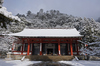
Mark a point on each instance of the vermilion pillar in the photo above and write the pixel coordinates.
(59, 48)
(71, 47)
(28, 49)
(40, 48)
(12, 46)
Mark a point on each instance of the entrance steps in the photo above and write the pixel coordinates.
(49, 58)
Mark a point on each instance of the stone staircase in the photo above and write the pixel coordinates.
(49, 58)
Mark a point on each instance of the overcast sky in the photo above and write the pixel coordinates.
(80, 8)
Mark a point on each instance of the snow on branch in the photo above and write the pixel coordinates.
(94, 43)
(4, 11)
(81, 42)
(92, 48)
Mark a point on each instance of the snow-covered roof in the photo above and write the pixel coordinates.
(47, 33)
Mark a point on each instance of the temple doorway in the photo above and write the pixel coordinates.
(50, 51)
(49, 48)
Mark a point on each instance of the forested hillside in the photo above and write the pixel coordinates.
(53, 19)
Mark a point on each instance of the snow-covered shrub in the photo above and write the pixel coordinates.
(6, 42)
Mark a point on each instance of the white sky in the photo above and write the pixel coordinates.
(80, 8)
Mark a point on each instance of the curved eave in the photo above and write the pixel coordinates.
(50, 36)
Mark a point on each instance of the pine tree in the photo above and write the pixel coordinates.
(6, 17)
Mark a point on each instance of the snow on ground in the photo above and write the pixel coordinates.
(17, 62)
(82, 63)
(26, 63)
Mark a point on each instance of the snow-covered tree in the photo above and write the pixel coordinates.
(92, 48)
(8, 24)
(6, 42)
(6, 18)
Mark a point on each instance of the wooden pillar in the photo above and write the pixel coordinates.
(59, 53)
(77, 47)
(22, 46)
(32, 49)
(32, 46)
(67, 49)
(40, 48)
(71, 47)
(28, 48)
(12, 46)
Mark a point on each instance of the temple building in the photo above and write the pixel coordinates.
(47, 42)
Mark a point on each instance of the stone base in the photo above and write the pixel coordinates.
(95, 58)
(43, 58)
(49, 58)
(14, 57)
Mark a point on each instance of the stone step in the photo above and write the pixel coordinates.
(49, 58)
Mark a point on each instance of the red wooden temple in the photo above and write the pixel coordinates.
(47, 42)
